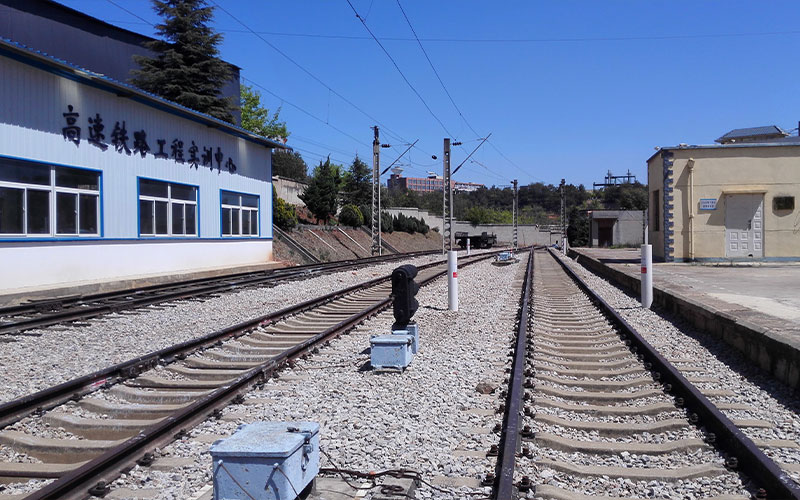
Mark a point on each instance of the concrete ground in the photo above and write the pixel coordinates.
(770, 289)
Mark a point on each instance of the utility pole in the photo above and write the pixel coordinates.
(376, 194)
(563, 218)
(447, 201)
(515, 213)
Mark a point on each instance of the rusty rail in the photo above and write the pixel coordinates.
(504, 488)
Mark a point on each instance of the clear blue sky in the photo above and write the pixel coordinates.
(567, 88)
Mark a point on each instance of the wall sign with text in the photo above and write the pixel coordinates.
(191, 154)
(708, 203)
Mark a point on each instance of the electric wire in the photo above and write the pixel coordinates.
(433, 67)
(299, 108)
(311, 115)
(364, 23)
(501, 40)
(306, 71)
(131, 13)
(444, 87)
(360, 141)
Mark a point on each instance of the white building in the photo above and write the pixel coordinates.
(102, 182)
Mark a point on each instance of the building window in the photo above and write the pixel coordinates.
(239, 214)
(167, 209)
(655, 209)
(783, 202)
(45, 200)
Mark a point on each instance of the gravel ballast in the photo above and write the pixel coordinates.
(430, 418)
(64, 352)
(769, 399)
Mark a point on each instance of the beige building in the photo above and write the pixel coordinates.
(730, 201)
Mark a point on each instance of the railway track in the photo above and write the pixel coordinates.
(15, 320)
(73, 439)
(594, 411)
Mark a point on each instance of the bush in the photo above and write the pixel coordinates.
(387, 225)
(409, 225)
(283, 214)
(366, 212)
(351, 216)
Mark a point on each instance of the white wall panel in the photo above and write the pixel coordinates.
(31, 122)
(43, 265)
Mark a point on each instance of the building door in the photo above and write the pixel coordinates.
(605, 234)
(744, 225)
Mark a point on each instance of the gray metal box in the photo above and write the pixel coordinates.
(390, 351)
(411, 329)
(266, 461)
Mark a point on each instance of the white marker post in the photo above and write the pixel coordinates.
(468, 247)
(647, 276)
(452, 280)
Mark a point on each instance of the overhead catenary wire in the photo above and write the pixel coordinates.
(413, 89)
(308, 113)
(331, 90)
(444, 87)
(261, 87)
(501, 40)
(309, 73)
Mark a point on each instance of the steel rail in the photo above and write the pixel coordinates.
(504, 488)
(16, 409)
(75, 483)
(742, 452)
(96, 305)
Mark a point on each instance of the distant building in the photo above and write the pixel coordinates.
(428, 184)
(616, 228)
(84, 41)
(726, 201)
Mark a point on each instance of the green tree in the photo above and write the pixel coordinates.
(322, 194)
(632, 196)
(289, 164)
(358, 184)
(186, 68)
(578, 228)
(257, 118)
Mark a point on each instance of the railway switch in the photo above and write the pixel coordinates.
(266, 461)
(404, 288)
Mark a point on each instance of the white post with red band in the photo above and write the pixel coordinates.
(452, 280)
(647, 276)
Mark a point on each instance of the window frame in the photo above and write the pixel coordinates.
(53, 190)
(240, 208)
(783, 203)
(170, 202)
(656, 210)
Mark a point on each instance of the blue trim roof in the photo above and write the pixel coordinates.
(42, 60)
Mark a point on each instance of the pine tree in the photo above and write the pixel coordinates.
(358, 184)
(322, 194)
(289, 164)
(186, 68)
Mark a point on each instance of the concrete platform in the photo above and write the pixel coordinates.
(753, 306)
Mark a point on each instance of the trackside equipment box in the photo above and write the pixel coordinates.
(410, 329)
(266, 461)
(390, 351)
